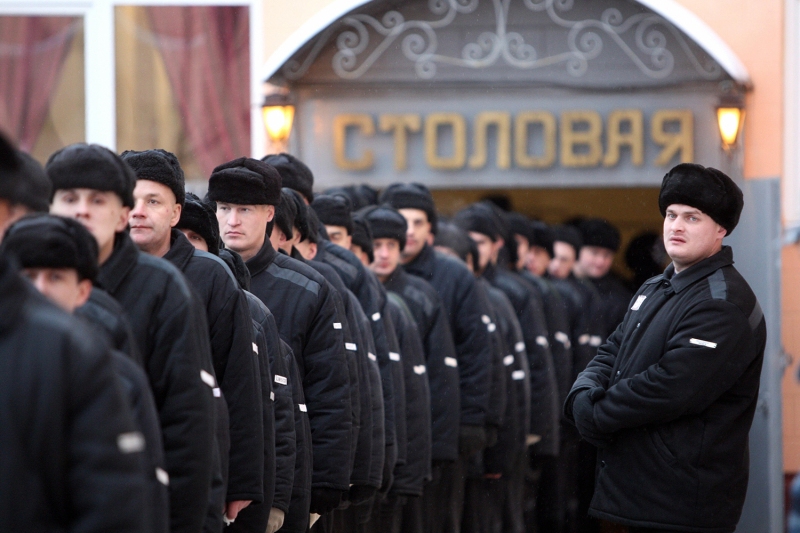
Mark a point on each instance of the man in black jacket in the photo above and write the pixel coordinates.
(246, 192)
(456, 287)
(93, 185)
(61, 403)
(159, 198)
(670, 397)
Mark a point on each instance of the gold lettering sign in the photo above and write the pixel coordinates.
(485, 119)
(521, 156)
(459, 126)
(401, 125)
(682, 141)
(616, 139)
(341, 123)
(570, 138)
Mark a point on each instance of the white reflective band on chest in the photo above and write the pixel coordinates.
(376, 317)
(491, 327)
(596, 340)
(272, 396)
(217, 392)
(337, 325)
(302, 407)
(638, 303)
(350, 346)
(486, 319)
(419, 369)
(703, 343)
(520, 346)
(517, 375)
(281, 380)
(208, 379)
(372, 356)
(508, 360)
(451, 361)
(255, 348)
(541, 340)
(584, 339)
(394, 356)
(131, 442)
(562, 337)
(162, 476)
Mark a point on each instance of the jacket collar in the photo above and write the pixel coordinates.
(696, 272)
(396, 280)
(490, 272)
(180, 251)
(123, 259)
(262, 260)
(422, 265)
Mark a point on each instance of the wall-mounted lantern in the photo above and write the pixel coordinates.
(278, 112)
(730, 119)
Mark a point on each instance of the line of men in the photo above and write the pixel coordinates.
(268, 359)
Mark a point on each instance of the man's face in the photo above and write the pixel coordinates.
(101, 212)
(690, 235)
(523, 247)
(279, 240)
(243, 228)
(537, 260)
(61, 285)
(595, 261)
(485, 249)
(361, 254)
(387, 257)
(418, 233)
(307, 249)
(563, 260)
(196, 239)
(155, 212)
(338, 235)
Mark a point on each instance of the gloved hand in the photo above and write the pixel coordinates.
(583, 413)
(324, 500)
(275, 520)
(471, 439)
(361, 494)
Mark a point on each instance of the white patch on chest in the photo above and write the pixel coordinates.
(638, 303)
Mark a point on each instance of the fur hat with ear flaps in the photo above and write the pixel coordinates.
(91, 166)
(201, 219)
(160, 166)
(245, 181)
(704, 188)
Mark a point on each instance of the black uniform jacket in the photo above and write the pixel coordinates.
(544, 388)
(410, 477)
(681, 376)
(497, 394)
(306, 315)
(235, 364)
(614, 298)
(71, 457)
(172, 336)
(456, 287)
(440, 358)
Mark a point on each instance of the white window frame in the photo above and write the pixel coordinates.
(790, 186)
(99, 57)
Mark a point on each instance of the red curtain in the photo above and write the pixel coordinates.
(206, 51)
(32, 53)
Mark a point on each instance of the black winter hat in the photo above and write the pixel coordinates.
(237, 266)
(360, 196)
(362, 235)
(201, 219)
(46, 241)
(160, 166)
(411, 196)
(598, 232)
(91, 166)
(34, 189)
(314, 224)
(286, 213)
(334, 211)
(387, 223)
(245, 181)
(301, 218)
(457, 239)
(705, 188)
(295, 174)
(569, 235)
(541, 235)
(479, 218)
